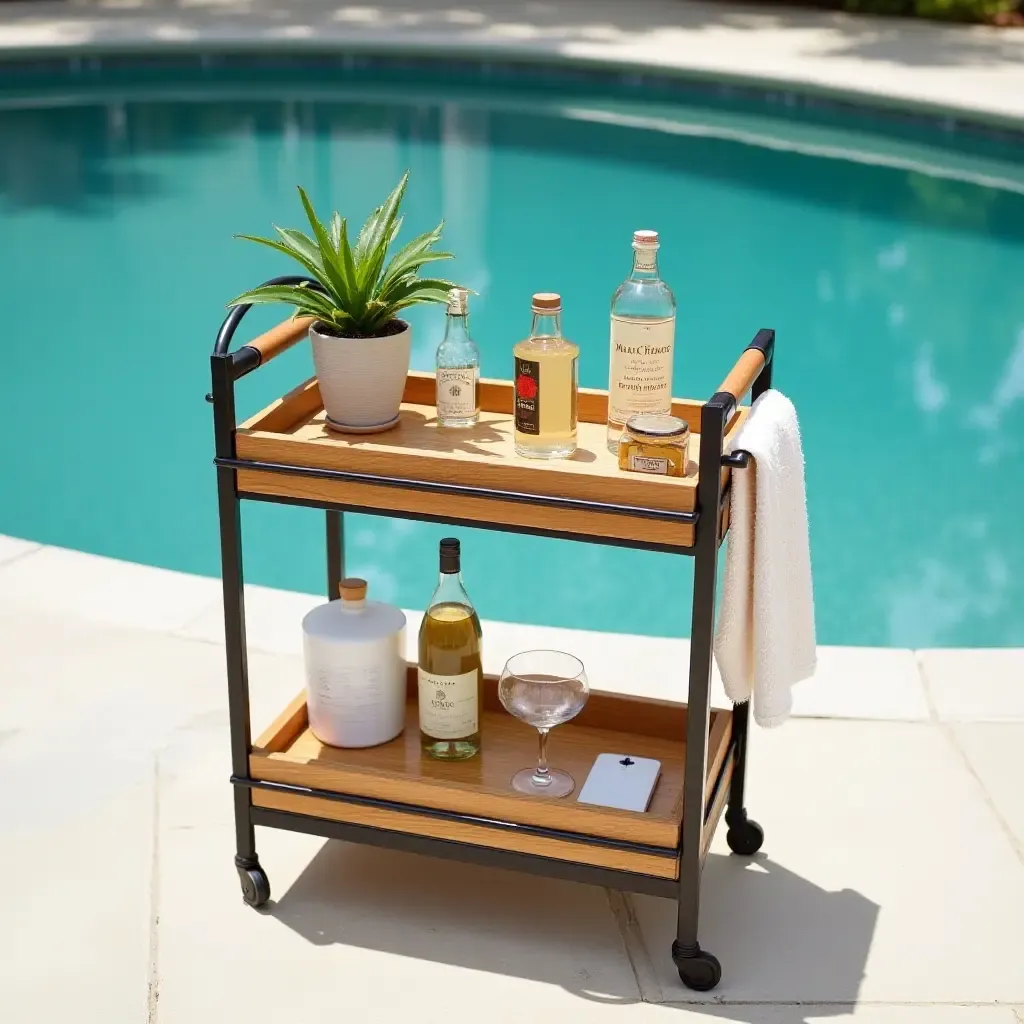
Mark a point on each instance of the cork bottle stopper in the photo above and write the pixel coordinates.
(352, 589)
(458, 301)
(547, 302)
(645, 237)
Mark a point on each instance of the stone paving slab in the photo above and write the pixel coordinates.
(104, 590)
(941, 68)
(76, 840)
(123, 691)
(996, 753)
(975, 685)
(76, 903)
(885, 877)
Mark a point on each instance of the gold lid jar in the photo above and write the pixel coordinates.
(654, 443)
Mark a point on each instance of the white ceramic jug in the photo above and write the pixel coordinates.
(355, 669)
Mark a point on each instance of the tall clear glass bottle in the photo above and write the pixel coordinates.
(458, 367)
(642, 340)
(450, 672)
(546, 385)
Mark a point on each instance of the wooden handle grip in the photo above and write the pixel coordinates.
(280, 338)
(742, 376)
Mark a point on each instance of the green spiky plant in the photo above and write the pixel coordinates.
(362, 291)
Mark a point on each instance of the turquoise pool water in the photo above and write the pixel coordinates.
(889, 257)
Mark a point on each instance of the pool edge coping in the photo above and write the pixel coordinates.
(126, 36)
(893, 684)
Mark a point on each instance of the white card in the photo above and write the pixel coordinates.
(621, 781)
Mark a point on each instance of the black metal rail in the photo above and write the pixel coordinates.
(465, 491)
(448, 849)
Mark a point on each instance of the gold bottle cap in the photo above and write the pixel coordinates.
(547, 302)
(458, 301)
(352, 589)
(645, 238)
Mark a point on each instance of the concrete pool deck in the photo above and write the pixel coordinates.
(890, 889)
(977, 72)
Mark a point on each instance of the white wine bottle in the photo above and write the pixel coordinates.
(450, 676)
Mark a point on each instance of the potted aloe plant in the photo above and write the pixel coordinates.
(360, 345)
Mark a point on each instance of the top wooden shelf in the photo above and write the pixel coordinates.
(471, 475)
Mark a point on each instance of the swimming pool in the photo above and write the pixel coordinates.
(888, 255)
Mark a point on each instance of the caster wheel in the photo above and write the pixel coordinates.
(745, 837)
(255, 885)
(701, 972)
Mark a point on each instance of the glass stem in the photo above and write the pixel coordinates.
(541, 776)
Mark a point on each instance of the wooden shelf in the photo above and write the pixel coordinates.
(293, 432)
(288, 752)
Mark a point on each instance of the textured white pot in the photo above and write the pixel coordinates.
(361, 379)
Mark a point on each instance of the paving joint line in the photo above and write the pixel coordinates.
(1015, 843)
(635, 948)
(933, 711)
(153, 979)
(21, 555)
(949, 732)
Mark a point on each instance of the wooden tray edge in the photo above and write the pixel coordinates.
(270, 762)
(476, 835)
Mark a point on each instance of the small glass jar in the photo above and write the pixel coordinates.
(654, 443)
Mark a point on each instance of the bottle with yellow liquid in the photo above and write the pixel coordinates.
(546, 385)
(450, 673)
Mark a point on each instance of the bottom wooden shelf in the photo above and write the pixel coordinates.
(397, 772)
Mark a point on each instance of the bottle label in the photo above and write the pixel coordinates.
(449, 705)
(640, 374)
(356, 691)
(645, 259)
(527, 396)
(645, 464)
(456, 392)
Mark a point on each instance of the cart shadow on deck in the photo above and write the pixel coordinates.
(781, 938)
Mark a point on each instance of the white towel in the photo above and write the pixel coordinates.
(765, 637)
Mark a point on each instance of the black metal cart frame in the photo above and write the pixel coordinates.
(698, 968)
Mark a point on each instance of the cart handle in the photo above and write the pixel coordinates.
(756, 356)
(755, 360)
(271, 343)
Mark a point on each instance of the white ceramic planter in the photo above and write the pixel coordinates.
(361, 379)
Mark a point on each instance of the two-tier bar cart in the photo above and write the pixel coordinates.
(390, 795)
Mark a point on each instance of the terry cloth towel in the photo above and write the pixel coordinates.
(765, 637)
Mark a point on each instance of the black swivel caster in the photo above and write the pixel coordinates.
(700, 970)
(255, 884)
(744, 836)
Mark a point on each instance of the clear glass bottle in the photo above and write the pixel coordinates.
(642, 340)
(450, 673)
(458, 367)
(547, 385)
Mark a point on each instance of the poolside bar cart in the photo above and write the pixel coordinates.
(390, 795)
